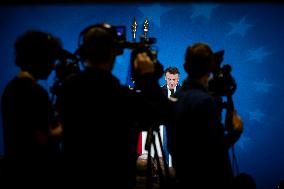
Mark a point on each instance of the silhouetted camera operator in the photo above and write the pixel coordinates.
(102, 118)
(201, 143)
(30, 129)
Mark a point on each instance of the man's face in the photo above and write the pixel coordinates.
(172, 80)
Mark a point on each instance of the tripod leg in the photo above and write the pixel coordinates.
(163, 175)
(166, 166)
(148, 147)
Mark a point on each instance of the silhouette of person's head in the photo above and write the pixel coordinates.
(98, 44)
(36, 52)
(199, 60)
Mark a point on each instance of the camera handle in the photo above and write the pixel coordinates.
(163, 176)
(230, 88)
(230, 108)
(229, 112)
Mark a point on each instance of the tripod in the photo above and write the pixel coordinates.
(162, 176)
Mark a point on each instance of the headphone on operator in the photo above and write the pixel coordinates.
(97, 41)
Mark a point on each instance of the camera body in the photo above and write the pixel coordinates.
(222, 83)
(144, 45)
(95, 41)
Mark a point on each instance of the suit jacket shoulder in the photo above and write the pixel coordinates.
(165, 89)
(178, 87)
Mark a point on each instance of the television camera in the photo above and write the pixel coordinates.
(223, 85)
(146, 44)
(91, 43)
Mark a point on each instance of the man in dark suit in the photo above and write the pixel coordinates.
(172, 75)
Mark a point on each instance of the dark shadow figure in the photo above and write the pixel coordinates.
(200, 143)
(102, 118)
(31, 156)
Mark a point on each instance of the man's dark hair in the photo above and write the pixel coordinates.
(172, 70)
(36, 47)
(199, 60)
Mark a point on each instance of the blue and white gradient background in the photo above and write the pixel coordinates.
(251, 35)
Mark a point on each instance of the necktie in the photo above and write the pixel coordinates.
(172, 92)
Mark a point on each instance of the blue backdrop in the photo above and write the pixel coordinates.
(251, 35)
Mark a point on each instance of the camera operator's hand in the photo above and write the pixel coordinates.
(237, 122)
(234, 133)
(143, 64)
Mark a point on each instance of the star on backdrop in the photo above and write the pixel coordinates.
(257, 54)
(256, 115)
(262, 86)
(154, 12)
(240, 27)
(203, 10)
